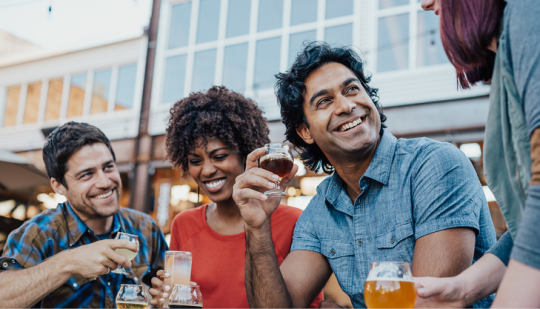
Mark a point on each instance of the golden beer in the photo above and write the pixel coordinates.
(389, 293)
(130, 305)
(181, 306)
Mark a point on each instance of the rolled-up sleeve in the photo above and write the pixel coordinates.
(304, 236)
(446, 192)
(24, 248)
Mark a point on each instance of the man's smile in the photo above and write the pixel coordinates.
(103, 195)
(350, 124)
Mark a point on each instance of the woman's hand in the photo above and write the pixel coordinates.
(439, 293)
(159, 290)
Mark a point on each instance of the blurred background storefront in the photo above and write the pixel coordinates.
(127, 86)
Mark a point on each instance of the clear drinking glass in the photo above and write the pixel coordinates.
(178, 266)
(390, 285)
(130, 255)
(278, 160)
(185, 296)
(131, 296)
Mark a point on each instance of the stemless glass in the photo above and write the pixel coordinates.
(131, 296)
(278, 160)
(185, 296)
(130, 255)
(178, 266)
(390, 285)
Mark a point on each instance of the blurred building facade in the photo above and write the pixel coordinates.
(100, 85)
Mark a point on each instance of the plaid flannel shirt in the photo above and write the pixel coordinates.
(60, 229)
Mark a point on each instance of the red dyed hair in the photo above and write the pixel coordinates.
(467, 29)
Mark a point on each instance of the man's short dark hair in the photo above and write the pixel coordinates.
(64, 141)
(290, 89)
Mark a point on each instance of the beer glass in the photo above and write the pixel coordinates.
(185, 296)
(390, 285)
(131, 296)
(178, 266)
(278, 160)
(130, 255)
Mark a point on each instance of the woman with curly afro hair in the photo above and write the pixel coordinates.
(209, 137)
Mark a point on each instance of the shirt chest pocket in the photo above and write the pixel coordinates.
(340, 256)
(397, 244)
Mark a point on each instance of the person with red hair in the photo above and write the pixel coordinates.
(497, 42)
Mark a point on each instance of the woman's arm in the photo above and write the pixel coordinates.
(472, 285)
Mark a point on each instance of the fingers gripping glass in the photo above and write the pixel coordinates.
(131, 296)
(130, 255)
(185, 296)
(390, 285)
(278, 160)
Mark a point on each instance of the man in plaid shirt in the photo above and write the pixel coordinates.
(63, 257)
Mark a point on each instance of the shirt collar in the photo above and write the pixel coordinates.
(77, 227)
(381, 163)
(378, 170)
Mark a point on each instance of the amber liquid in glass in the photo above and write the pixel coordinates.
(389, 294)
(130, 305)
(277, 164)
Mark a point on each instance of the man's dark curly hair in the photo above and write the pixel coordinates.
(234, 120)
(290, 89)
(64, 141)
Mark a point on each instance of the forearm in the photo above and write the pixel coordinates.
(481, 279)
(519, 288)
(265, 286)
(24, 288)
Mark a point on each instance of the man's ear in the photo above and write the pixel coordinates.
(58, 187)
(303, 131)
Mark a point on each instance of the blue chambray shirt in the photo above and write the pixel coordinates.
(60, 229)
(412, 187)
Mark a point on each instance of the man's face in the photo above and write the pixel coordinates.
(342, 117)
(93, 182)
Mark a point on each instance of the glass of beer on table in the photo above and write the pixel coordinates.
(130, 255)
(131, 296)
(178, 266)
(185, 296)
(278, 160)
(390, 285)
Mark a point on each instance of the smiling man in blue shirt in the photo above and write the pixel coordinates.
(417, 200)
(62, 258)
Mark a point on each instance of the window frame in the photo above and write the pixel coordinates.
(162, 51)
(66, 78)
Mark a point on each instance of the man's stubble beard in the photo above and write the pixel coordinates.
(91, 211)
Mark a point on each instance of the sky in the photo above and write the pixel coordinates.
(74, 23)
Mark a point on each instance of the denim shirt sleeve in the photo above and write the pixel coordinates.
(304, 235)
(522, 22)
(446, 191)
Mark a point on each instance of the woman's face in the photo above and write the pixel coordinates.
(215, 168)
(432, 5)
